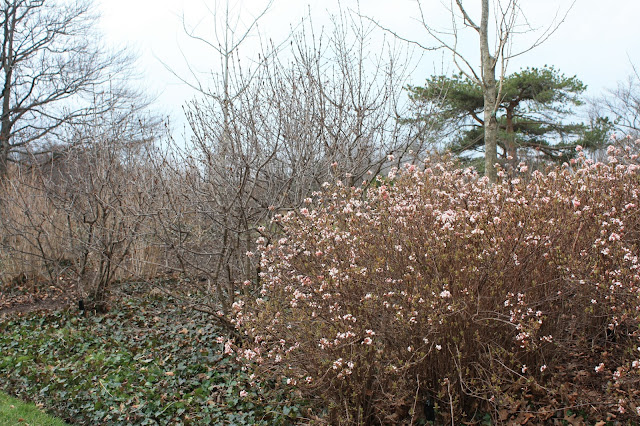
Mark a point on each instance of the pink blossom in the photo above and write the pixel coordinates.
(445, 294)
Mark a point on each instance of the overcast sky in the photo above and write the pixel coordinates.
(597, 42)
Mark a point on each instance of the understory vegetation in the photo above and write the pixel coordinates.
(429, 296)
(147, 361)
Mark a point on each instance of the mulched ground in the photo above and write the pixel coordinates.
(24, 293)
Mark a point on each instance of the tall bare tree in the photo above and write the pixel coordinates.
(622, 105)
(507, 15)
(499, 21)
(54, 72)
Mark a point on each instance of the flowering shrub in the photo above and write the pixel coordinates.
(437, 289)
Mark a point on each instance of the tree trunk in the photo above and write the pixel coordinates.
(510, 143)
(5, 131)
(490, 97)
(4, 157)
(9, 29)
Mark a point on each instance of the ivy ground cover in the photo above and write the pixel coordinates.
(145, 362)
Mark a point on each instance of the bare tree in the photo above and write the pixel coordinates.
(54, 72)
(508, 22)
(622, 105)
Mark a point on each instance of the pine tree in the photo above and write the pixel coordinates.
(533, 107)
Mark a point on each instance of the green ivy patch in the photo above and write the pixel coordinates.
(147, 362)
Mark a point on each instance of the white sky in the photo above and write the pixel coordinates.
(597, 42)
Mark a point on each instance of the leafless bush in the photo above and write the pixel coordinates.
(269, 135)
(80, 214)
(31, 229)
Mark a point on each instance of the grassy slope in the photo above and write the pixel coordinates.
(15, 412)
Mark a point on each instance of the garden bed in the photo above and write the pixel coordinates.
(147, 361)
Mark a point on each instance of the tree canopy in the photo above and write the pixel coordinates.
(55, 73)
(533, 109)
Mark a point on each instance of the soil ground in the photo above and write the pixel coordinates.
(23, 294)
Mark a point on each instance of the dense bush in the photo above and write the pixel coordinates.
(435, 288)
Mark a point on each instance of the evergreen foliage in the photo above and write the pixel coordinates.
(533, 112)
